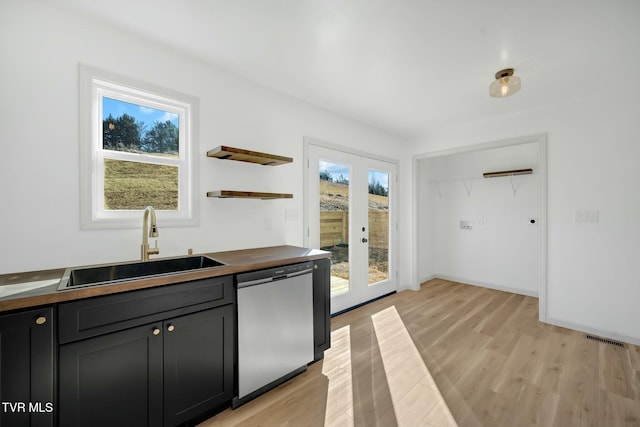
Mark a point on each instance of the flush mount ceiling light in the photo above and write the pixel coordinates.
(506, 84)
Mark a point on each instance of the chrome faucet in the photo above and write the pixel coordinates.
(153, 232)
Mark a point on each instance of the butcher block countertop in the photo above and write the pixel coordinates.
(31, 289)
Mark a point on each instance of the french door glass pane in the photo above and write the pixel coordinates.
(378, 226)
(334, 222)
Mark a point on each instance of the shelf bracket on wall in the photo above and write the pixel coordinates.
(514, 187)
(468, 187)
(467, 182)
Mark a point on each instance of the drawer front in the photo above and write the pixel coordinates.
(100, 315)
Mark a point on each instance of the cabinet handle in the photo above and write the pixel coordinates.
(41, 320)
(170, 328)
(156, 331)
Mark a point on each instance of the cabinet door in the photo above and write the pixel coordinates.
(198, 363)
(26, 368)
(321, 307)
(112, 380)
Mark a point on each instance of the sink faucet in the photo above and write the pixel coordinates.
(153, 232)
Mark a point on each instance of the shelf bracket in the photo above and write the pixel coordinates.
(514, 187)
(468, 187)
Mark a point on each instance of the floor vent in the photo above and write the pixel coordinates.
(605, 340)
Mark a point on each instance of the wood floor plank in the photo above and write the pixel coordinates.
(503, 305)
(618, 411)
(556, 353)
(519, 367)
(569, 414)
(634, 356)
(616, 374)
(536, 407)
(578, 388)
(478, 377)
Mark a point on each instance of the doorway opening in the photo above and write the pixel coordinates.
(488, 232)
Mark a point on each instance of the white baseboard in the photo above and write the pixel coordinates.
(518, 291)
(593, 331)
(405, 287)
(426, 279)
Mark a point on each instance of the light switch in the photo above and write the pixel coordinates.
(585, 215)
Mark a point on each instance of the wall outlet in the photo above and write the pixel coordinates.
(584, 215)
(267, 223)
(465, 225)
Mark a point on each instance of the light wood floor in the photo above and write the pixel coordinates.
(483, 351)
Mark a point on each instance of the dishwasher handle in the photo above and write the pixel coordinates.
(272, 278)
(254, 282)
(295, 273)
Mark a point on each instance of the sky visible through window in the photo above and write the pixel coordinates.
(381, 177)
(141, 113)
(336, 170)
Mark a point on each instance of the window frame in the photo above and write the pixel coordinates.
(96, 84)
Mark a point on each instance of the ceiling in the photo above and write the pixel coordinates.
(404, 66)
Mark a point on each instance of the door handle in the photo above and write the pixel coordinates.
(364, 240)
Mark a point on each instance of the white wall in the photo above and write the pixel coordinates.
(593, 151)
(501, 249)
(41, 47)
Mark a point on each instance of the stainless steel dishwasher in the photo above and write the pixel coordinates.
(275, 327)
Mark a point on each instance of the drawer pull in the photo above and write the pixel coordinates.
(41, 320)
(156, 331)
(170, 328)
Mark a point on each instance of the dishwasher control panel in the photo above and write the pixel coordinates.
(276, 272)
(294, 268)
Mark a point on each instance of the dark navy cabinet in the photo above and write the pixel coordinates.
(27, 368)
(156, 357)
(321, 307)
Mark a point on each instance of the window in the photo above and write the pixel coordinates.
(137, 145)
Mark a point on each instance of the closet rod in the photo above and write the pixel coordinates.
(508, 173)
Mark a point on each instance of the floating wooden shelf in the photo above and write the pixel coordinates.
(228, 194)
(241, 155)
(508, 173)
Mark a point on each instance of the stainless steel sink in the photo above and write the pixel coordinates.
(117, 273)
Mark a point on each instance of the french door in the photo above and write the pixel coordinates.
(350, 208)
